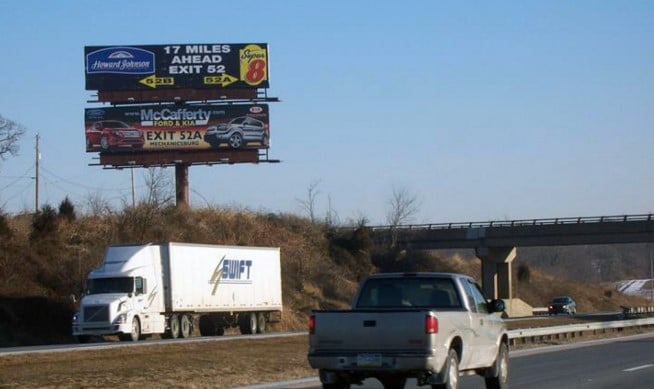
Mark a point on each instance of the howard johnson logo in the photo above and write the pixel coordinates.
(120, 60)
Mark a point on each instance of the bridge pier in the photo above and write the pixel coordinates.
(496, 271)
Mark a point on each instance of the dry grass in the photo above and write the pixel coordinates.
(221, 364)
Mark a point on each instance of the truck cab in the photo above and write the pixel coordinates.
(124, 296)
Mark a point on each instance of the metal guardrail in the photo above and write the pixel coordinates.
(528, 335)
(632, 312)
(519, 223)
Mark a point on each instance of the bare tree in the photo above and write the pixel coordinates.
(97, 204)
(159, 187)
(359, 221)
(308, 205)
(331, 219)
(10, 133)
(403, 206)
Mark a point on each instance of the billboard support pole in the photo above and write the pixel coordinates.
(36, 176)
(181, 185)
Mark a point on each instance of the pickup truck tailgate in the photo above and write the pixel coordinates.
(370, 331)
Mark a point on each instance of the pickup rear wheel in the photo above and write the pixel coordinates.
(500, 370)
(451, 373)
(393, 382)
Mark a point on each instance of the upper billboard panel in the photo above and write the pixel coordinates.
(186, 66)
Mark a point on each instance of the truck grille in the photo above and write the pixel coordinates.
(96, 313)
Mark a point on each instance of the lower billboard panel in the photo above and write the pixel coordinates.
(180, 127)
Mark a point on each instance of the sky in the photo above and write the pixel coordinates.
(481, 110)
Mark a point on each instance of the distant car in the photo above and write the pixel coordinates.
(237, 133)
(113, 134)
(562, 304)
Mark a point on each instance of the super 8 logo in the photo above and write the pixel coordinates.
(254, 64)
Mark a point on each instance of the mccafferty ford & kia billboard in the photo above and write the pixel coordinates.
(112, 68)
(177, 127)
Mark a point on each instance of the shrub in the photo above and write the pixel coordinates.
(45, 225)
(67, 209)
(5, 230)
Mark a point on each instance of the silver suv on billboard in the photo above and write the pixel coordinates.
(237, 133)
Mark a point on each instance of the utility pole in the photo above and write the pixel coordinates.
(36, 176)
(651, 276)
(133, 191)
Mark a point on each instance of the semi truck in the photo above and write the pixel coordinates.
(165, 289)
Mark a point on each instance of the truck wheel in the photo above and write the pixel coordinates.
(247, 323)
(173, 323)
(207, 326)
(452, 372)
(136, 332)
(499, 373)
(261, 323)
(136, 329)
(186, 327)
(83, 339)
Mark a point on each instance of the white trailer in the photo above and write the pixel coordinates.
(141, 290)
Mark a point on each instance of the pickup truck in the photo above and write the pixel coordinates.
(428, 326)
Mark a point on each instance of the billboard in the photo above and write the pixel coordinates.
(177, 127)
(184, 66)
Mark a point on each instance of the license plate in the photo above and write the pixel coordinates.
(369, 360)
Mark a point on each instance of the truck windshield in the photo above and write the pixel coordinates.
(427, 292)
(111, 285)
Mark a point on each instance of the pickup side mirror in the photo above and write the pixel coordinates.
(496, 305)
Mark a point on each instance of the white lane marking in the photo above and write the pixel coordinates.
(637, 368)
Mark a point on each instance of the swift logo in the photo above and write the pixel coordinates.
(231, 271)
(236, 271)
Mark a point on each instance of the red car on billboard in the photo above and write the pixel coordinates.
(110, 135)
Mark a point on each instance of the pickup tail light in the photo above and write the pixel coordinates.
(312, 325)
(431, 324)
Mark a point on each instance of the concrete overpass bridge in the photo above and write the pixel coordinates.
(496, 242)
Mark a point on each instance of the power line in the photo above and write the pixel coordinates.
(82, 185)
(20, 192)
(18, 178)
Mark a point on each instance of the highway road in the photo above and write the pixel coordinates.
(608, 363)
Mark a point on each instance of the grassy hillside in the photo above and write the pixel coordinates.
(45, 257)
